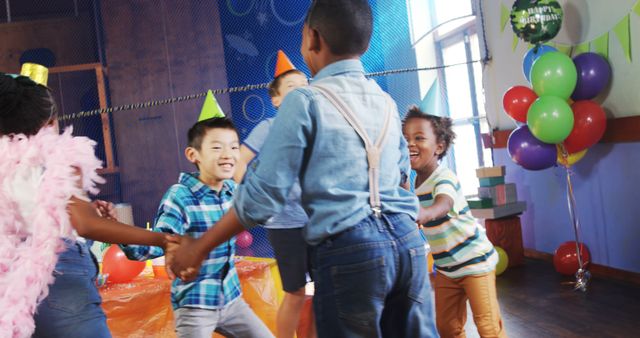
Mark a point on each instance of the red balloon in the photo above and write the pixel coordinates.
(244, 239)
(516, 102)
(119, 267)
(590, 122)
(565, 259)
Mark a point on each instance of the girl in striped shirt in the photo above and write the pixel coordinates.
(464, 257)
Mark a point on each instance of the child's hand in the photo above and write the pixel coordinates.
(105, 209)
(424, 216)
(171, 244)
(185, 260)
(80, 212)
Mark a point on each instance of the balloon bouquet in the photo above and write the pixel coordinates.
(559, 120)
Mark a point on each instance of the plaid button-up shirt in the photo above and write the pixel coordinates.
(191, 208)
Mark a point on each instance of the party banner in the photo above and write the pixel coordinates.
(623, 33)
(600, 44)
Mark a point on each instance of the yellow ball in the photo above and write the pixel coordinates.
(503, 261)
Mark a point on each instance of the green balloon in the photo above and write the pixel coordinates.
(550, 119)
(536, 21)
(503, 261)
(555, 74)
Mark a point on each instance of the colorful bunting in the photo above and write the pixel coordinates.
(504, 16)
(623, 32)
(600, 45)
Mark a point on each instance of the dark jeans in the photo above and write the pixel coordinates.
(72, 308)
(372, 281)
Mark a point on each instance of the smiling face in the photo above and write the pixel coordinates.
(217, 156)
(424, 148)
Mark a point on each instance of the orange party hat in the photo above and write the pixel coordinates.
(283, 64)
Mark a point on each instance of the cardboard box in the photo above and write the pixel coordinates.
(479, 203)
(500, 194)
(491, 181)
(500, 211)
(490, 171)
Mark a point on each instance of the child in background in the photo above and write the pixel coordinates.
(39, 172)
(213, 302)
(285, 228)
(369, 261)
(463, 255)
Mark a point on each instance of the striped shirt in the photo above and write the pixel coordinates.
(191, 208)
(458, 243)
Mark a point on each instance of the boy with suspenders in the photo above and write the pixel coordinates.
(368, 258)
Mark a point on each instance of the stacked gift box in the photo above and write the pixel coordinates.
(497, 203)
(496, 199)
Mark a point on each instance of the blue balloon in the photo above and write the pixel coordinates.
(532, 55)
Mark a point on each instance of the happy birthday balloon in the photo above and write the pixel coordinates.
(536, 21)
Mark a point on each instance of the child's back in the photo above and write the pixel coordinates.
(335, 185)
(368, 257)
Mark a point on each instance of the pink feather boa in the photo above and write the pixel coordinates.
(29, 245)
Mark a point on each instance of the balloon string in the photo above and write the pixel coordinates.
(582, 276)
(574, 218)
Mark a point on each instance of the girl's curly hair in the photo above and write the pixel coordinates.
(442, 127)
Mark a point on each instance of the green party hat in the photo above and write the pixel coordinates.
(210, 108)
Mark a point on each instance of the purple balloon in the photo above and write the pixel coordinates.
(529, 152)
(593, 75)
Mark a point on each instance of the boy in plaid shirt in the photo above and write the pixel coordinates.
(212, 302)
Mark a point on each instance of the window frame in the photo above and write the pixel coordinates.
(462, 34)
(466, 31)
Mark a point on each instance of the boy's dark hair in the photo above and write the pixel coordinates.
(275, 84)
(25, 106)
(442, 127)
(345, 25)
(197, 132)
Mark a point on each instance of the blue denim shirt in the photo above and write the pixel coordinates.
(310, 140)
(292, 215)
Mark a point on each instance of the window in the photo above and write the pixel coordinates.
(448, 36)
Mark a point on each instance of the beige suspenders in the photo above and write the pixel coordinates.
(374, 151)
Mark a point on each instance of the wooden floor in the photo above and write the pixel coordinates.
(535, 303)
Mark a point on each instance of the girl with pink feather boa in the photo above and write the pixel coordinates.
(46, 269)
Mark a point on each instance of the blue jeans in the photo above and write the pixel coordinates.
(372, 281)
(72, 308)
